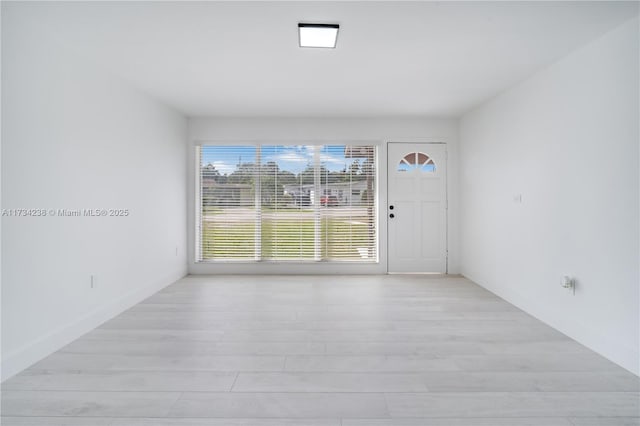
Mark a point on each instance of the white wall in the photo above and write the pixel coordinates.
(567, 141)
(343, 130)
(75, 137)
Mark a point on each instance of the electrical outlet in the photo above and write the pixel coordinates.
(569, 283)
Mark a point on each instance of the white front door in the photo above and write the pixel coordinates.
(417, 207)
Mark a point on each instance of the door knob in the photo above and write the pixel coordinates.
(390, 207)
(392, 216)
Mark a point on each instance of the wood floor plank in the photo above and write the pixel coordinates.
(513, 421)
(294, 405)
(514, 404)
(87, 404)
(56, 421)
(132, 421)
(401, 348)
(554, 361)
(226, 422)
(239, 314)
(329, 382)
(530, 381)
(368, 364)
(140, 381)
(605, 421)
(163, 335)
(494, 338)
(231, 363)
(191, 348)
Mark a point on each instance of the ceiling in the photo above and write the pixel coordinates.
(392, 59)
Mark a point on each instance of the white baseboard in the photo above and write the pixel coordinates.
(22, 358)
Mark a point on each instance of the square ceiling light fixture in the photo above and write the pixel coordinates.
(318, 35)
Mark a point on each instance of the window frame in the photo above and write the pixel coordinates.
(258, 258)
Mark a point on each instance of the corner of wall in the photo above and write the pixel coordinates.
(535, 207)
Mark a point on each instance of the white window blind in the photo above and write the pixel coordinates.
(287, 203)
(229, 211)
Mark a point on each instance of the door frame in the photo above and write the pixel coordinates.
(441, 141)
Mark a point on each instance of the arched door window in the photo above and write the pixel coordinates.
(417, 161)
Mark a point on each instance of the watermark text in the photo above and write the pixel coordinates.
(65, 212)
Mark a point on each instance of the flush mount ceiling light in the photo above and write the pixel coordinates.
(318, 35)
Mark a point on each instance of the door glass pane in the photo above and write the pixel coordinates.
(416, 161)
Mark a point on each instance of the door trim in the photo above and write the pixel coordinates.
(418, 141)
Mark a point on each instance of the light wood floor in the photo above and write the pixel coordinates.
(323, 351)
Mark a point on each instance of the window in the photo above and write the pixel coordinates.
(417, 161)
(287, 203)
